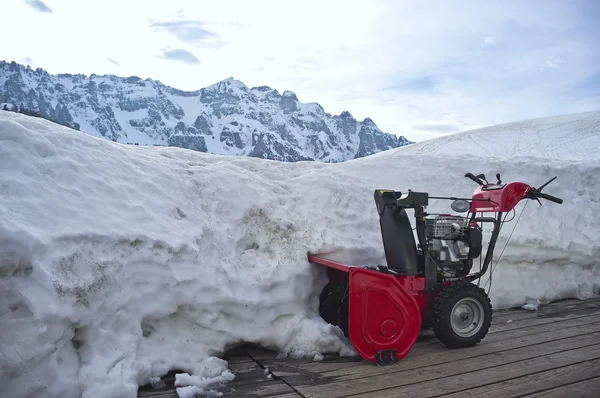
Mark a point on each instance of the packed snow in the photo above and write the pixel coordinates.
(566, 137)
(119, 263)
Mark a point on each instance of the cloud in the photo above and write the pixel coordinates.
(303, 64)
(418, 83)
(194, 32)
(26, 60)
(180, 55)
(440, 126)
(112, 61)
(552, 63)
(39, 6)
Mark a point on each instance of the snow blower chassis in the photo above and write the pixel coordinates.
(382, 309)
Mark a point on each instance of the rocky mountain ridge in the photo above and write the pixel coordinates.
(225, 118)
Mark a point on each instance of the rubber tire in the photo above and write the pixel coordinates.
(331, 298)
(442, 310)
(425, 324)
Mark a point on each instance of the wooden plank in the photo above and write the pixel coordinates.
(538, 329)
(460, 380)
(509, 340)
(238, 354)
(280, 390)
(480, 353)
(547, 312)
(258, 353)
(164, 393)
(583, 389)
(256, 390)
(569, 305)
(438, 353)
(342, 384)
(238, 359)
(251, 380)
(526, 323)
(521, 324)
(243, 366)
(529, 384)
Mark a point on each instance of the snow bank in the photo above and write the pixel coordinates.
(566, 137)
(119, 263)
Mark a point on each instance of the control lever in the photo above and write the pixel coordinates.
(536, 193)
(543, 186)
(472, 177)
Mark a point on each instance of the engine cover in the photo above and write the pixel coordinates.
(453, 243)
(449, 227)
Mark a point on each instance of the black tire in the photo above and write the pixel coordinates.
(333, 307)
(425, 324)
(473, 311)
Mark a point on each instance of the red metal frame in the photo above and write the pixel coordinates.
(329, 263)
(501, 199)
(400, 304)
(396, 322)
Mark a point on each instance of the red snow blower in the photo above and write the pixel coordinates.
(383, 308)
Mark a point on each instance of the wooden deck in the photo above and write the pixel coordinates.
(553, 352)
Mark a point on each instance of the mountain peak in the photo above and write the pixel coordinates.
(369, 122)
(346, 115)
(290, 94)
(226, 84)
(234, 82)
(262, 89)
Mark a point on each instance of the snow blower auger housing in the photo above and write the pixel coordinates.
(383, 308)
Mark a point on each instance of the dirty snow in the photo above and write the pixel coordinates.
(119, 263)
(531, 304)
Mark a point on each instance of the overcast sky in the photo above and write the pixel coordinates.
(417, 68)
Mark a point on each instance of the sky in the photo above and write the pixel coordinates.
(417, 69)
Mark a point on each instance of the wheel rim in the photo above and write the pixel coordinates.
(467, 317)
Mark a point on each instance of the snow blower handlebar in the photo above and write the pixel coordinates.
(533, 193)
(536, 193)
(503, 199)
(472, 177)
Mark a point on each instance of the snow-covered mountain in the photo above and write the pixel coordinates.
(225, 118)
(568, 137)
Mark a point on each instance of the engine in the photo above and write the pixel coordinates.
(453, 243)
